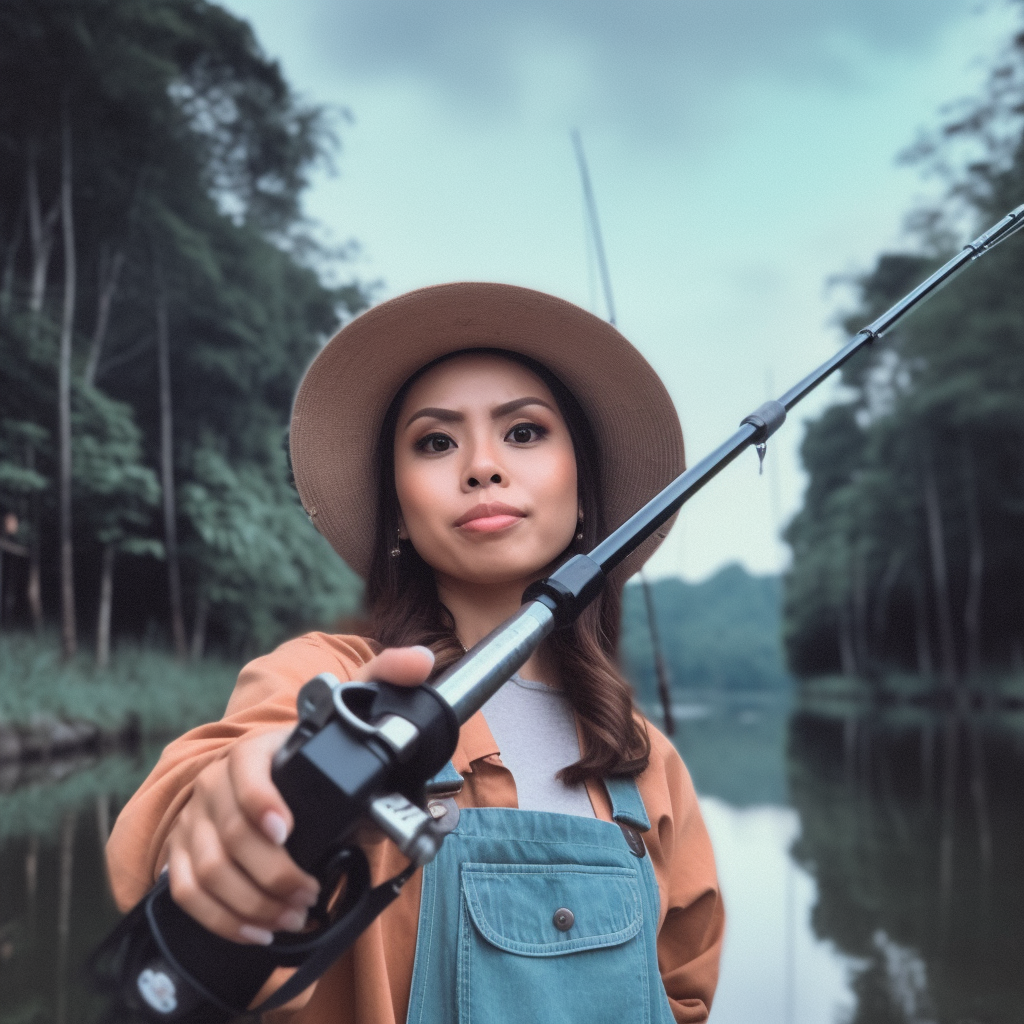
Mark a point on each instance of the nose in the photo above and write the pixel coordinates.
(483, 469)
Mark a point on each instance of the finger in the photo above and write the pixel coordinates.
(403, 666)
(228, 884)
(205, 908)
(255, 822)
(248, 767)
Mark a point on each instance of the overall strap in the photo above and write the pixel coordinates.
(447, 780)
(627, 807)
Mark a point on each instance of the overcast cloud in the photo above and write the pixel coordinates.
(655, 67)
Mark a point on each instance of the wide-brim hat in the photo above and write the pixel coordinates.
(347, 390)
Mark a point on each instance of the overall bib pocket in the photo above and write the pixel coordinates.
(551, 942)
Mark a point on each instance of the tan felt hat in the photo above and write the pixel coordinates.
(345, 394)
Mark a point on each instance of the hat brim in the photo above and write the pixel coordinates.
(346, 392)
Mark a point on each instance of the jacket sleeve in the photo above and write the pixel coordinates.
(263, 699)
(692, 918)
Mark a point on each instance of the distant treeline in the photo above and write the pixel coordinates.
(723, 634)
(159, 300)
(907, 554)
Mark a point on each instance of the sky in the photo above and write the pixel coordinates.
(743, 155)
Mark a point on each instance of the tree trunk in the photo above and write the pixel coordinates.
(198, 645)
(847, 657)
(880, 619)
(41, 227)
(167, 466)
(109, 276)
(660, 671)
(106, 599)
(940, 575)
(33, 591)
(861, 645)
(925, 663)
(975, 570)
(68, 630)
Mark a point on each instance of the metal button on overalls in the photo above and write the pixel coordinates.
(563, 919)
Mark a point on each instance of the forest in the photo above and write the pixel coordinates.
(161, 294)
(906, 553)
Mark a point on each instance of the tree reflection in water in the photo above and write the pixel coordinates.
(913, 828)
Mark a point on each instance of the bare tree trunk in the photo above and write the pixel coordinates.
(109, 276)
(925, 663)
(41, 228)
(33, 591)
(880, 619)
(847, 656)
(106, 600)
(860, 609)
(198, 646)
(975, 569)
(69, 633)
(660, 671)
(937, 547)
(167, 466)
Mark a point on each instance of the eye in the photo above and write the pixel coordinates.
(524, 433)
(435, 444)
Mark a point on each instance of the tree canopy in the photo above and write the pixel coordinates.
(906, 554)
(201, 298)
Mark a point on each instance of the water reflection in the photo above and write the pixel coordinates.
(54, 903)
(912, 826)
(873, 867)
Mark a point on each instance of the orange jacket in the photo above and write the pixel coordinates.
(370, 984)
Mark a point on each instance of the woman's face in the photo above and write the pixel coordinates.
(485, 471)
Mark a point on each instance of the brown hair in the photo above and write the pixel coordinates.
(404, 608)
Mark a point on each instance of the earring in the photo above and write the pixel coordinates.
(579, 527)
(397, 549)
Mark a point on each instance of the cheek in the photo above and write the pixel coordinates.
(559, 486)
(421, 487)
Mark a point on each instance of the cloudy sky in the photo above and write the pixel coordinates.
(743, 153)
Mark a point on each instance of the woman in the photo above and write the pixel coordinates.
(454, 445)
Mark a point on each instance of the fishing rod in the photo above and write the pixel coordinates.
(594, 227)
(371, 751)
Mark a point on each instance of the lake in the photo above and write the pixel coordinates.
(872, 866)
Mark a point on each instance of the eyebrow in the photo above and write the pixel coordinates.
(451, 416)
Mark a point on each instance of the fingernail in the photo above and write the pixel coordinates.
(275, 827)
(291, 921)
(303, 899)
(260, 936)
(426, 650)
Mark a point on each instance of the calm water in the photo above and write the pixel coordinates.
(873, 868)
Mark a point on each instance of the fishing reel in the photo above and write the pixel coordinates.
(353, 742)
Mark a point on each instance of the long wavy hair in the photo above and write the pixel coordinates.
(404, 607)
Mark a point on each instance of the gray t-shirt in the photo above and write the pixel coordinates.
(535, 730)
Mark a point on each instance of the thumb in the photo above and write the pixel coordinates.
(403, 666)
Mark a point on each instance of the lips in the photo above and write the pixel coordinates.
(487, 518)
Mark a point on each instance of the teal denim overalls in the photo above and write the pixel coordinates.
(531, 916)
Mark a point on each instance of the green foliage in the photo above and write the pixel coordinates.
(721, 634)
(906, 555)
(142, 685)
(190, 155)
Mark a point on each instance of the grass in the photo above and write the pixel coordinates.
(143, 688)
